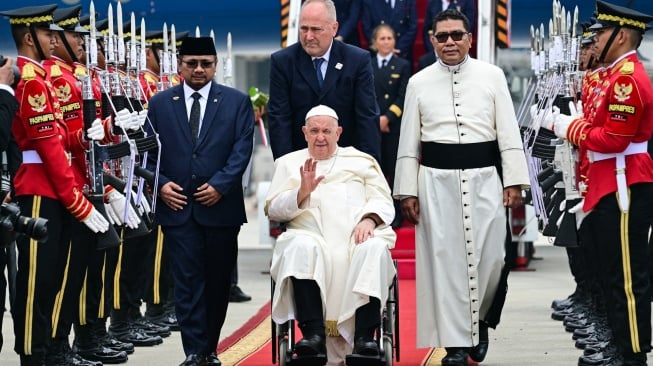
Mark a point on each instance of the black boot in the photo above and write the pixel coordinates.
(479, 351)
(368, 318)
(100, 332)
(455, 357)
(310, 319)
(88, 346)
(123, 330)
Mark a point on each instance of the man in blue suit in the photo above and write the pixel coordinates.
(206, 143)
(343, 81)
(401, 15)
(434, 7)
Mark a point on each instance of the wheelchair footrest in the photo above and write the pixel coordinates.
(316, 360)
(360, 360)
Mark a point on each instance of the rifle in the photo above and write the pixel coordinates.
(96, 154)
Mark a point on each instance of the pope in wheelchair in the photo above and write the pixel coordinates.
(332, 266)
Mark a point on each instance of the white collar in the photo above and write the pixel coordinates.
(204, 91)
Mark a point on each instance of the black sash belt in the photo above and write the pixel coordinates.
(460, 156)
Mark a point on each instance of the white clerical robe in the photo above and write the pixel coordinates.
(353, 187)
(461, 232)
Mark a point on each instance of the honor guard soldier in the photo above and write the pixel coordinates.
(67, 72)
(619, 196)
(45, 185)
(99, 276)
(149, 77)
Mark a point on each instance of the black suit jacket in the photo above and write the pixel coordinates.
(219, 157)
(467, 7)
(348, 88)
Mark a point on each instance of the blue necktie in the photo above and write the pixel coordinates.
(318, 68)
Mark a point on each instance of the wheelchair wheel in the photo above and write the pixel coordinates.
(387, 349)
(283, 351)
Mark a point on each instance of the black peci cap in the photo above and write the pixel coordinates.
(68, 19)
(198, 46)
(32, 16)
(610, 15)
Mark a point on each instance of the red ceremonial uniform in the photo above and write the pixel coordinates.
(149, 82)
(67, 88)
(621, 114)
(40, 133)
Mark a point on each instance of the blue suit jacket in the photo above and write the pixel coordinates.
(219, 157)
(348, 12)
(348, 88)
(467, 7)
(402, 18)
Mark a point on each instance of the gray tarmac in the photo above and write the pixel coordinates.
(526, 336)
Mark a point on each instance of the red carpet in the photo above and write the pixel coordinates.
(250, 345)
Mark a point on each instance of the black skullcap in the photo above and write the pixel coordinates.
(610, 15)
(32, 16)
(198, 46)
(68, 19)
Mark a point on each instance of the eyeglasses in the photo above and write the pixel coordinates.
(456, 36)
(193, 64)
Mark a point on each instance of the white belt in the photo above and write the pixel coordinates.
(620, 170)
(31, 157)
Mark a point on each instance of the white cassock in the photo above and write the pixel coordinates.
(353, 187)
(462, 228)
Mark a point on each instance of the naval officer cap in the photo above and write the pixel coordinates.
(321, 110)
(610, 15)
(154, 38)
(198, 46)
(587, 38)
(68, 19)
(32, 16)
(101, 26)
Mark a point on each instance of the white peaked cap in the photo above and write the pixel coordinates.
(321, 110)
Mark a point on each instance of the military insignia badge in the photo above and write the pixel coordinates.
(37, 102)
(622, 91)
(63, 92)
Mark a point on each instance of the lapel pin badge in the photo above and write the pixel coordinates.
(175, 98)
(338, 66)
(215, 100)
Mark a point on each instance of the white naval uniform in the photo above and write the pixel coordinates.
(460, 237)
(353, 187)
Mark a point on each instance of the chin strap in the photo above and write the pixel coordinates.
(67, 45)
(32, 31)
(608, 44)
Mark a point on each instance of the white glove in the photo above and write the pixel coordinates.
(542, 118)
(117, 202)
(140, 118)
(578, 211)
(112, 216)
(96, 222)
(126, 119)
(576, 109)
(96, 131)
(561, 123)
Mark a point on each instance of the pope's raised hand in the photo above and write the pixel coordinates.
(309, 181)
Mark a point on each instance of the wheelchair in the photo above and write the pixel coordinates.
(387, 339)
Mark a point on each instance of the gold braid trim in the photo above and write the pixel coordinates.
(69, 21)
(331, 328)
(622, 20)
(27, 21)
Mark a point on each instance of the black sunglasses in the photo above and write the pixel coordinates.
(456, 36)
(193, 63)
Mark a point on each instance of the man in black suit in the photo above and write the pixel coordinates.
(345, 82)
(206, 143)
